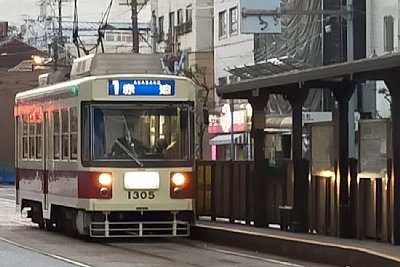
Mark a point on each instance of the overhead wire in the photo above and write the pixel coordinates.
(101, 29)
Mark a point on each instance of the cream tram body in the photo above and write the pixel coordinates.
(69, 174)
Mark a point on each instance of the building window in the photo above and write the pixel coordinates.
(222, 81)
(119, 39)
(388, 32)
(129, 38)
(143, 38)
(233, 21)
(180, 17)
(233, 79)
(222, 24)
(189, 13)
(110, 37)
(171, 21)
(161, 27)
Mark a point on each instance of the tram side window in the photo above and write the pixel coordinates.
(65, 134)
(32, 133)
(39, 135)
(17, 138)
(85, 133)
(25, 136)
(73, 124)
(56, 134)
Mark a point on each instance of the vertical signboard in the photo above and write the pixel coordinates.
(252, 19)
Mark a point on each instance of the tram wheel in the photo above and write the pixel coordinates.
(41, 225)
(49, 225)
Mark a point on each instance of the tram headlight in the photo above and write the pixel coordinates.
(181, 185)
(178, 179)
(105, 179)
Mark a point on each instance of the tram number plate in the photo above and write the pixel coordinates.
(141, 195)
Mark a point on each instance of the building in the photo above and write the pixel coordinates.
(44, 31)
(183, 33)
(17, 73)
(382, 36)
(300, 45)
(305, 41)
(231, 49)
(184, 28)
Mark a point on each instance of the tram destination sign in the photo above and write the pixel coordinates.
(141, 87)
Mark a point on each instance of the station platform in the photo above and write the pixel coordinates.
(301, 246)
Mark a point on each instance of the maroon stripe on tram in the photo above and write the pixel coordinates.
(80, 184)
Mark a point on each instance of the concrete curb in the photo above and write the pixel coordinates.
(300, 249)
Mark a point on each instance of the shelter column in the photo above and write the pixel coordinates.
(393, 83)
(258, 182)
(297, 97)
(343, 93)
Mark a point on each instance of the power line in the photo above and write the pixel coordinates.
(101, 29)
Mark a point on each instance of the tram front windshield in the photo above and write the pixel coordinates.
(141, 133)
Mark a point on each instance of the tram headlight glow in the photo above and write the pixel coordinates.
(178, 179)
(105, 179)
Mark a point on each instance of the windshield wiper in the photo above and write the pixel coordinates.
(131, 154)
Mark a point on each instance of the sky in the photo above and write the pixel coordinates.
(14, 11)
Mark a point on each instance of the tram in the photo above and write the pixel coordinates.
(108, 155)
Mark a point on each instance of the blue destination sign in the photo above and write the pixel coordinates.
(141, 88)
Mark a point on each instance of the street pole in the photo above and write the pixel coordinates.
(135, 29)
(353, 99)
(350, 34)
(232, 107)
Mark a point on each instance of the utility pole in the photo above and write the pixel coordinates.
(154, 32)
(58, 39)
(60, 20)
(135, 28)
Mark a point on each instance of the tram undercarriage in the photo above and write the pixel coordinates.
(108, 224)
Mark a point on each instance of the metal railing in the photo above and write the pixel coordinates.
(108, 229)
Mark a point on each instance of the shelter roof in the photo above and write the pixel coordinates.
(370, 68)
(268, 67)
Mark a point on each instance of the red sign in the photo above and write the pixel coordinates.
(223, 123)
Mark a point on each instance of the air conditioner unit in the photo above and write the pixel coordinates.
(187, 27)
(179, 29)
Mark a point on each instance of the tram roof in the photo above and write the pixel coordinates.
(376, 68)
(59, 86)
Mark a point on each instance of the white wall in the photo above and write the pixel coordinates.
(203, 24)
(232, 50)
(376, 11)
(200, 38)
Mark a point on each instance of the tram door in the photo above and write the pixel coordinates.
(46, 161)
(18, 151)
